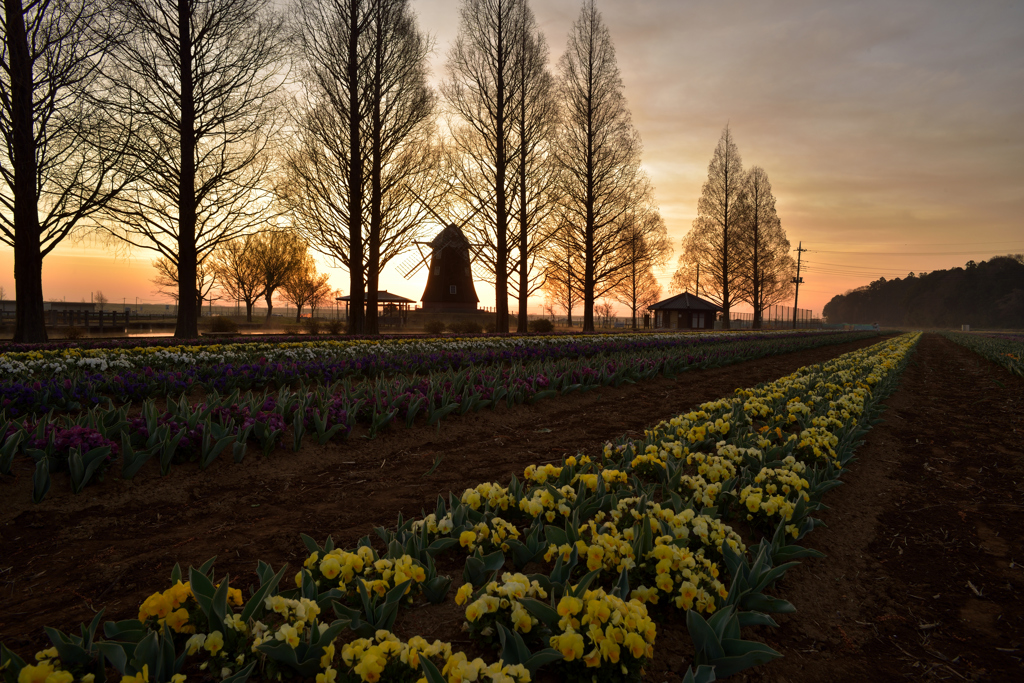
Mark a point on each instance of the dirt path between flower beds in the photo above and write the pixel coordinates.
(115, 543)
(923, 579)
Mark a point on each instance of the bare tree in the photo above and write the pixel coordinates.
(306, 287)
(534, 127)
(240, 272)
(766, 278)
(599, 152)
(603, 309)
(646, 247)
(100, 299)
(277, 254)
(714, 244)
(390, 146)
(482, 92)
(166, 281)
(329, 163)
(202, 77)
(64, 149)
(562, 275)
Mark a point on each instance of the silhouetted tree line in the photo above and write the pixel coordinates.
(986, 294)
(165, 125)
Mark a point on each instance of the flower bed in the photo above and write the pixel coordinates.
(1005, 349)
(182, 431)
(602, 548)
(71, 379)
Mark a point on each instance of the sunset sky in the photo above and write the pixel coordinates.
(890, 130)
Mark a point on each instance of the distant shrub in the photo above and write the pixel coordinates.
(221, 324)
(492, 324)
(336, 326)
(74, 333)
(314, 326)
(466, 327)
(434, 326)
(541, 325)
(292, 328)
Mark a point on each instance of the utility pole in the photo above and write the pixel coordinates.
(797, 280)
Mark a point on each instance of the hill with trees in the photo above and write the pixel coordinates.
(986, 294)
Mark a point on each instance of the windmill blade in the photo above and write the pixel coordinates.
(471, 217)
(426, 206)
(412, 265)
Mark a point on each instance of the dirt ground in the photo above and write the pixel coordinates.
(920, 581)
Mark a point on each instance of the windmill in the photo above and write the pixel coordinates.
(450, 278)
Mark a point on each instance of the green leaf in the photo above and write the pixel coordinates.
(241, 676)
(11, 665)
(545, 613)
(705, 640)
(431, 672)
(762, 603)
(255, 605)
(742, 654)
(41, 480)
(755, 619)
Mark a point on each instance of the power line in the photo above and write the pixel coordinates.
(910, 253)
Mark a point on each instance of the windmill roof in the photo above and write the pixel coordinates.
(685, 301)
(451, 235)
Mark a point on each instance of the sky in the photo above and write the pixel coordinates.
(889, 129)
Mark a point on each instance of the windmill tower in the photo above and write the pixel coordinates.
(450, 279)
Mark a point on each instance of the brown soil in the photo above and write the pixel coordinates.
(916, 519)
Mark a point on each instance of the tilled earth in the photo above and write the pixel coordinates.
(920, 581)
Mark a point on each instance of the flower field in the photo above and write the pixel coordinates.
(569, 569)
(1005, 349)
(71, 410)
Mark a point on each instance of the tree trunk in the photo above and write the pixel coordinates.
(298, 314)
(187, 326)
(524, 267)
(269, 298)
(248, 311)
(501, 205)
(29, 322)
(356, 324)
(372, 325)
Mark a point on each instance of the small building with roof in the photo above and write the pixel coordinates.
(391, 308)
(685, 312)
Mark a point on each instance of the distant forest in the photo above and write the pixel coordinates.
(986, 294)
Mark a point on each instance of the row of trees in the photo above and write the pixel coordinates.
(252, 267)
(166, 125)
(737, 250)
(986, 294)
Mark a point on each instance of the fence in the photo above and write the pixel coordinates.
(775, 318)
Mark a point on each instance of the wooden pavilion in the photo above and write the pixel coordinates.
(389, 307)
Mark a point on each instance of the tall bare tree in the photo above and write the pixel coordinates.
(390, 146)
(482, 91)
(239, 270)
(599, 153)
(534, 127)
(64, 148)
(766, 278)
(714, 244)
(202, 76)
(646, 248)
(327, 167)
